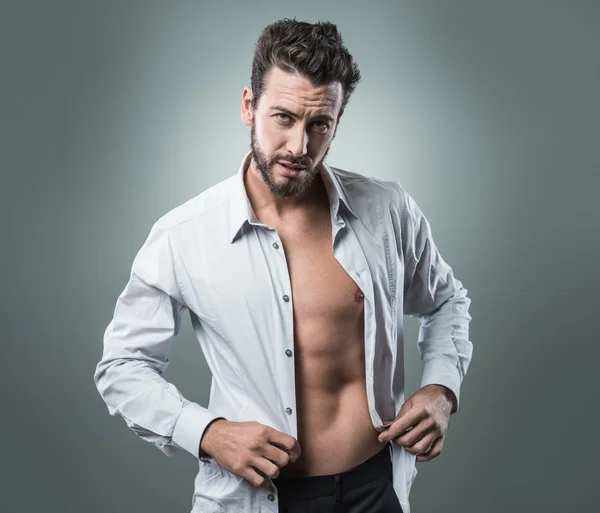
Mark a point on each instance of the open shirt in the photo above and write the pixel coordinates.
(213, 258)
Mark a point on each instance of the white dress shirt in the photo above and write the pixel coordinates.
(212, 257)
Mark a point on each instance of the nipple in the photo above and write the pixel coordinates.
(358, 295)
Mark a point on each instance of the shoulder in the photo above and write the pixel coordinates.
(355, 183)
(208, 202)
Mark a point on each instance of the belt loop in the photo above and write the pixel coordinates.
(338, 488)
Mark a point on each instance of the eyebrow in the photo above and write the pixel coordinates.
(294, 115)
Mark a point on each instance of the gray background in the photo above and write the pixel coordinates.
(112, 113)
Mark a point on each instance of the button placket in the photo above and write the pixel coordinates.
(276, 244)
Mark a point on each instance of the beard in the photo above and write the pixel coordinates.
(291, 187)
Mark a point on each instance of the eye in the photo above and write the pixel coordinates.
(282, 114)
(322, 125)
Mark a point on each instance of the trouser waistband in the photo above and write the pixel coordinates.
(317, 486)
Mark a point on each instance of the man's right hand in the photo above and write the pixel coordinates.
(245, 447)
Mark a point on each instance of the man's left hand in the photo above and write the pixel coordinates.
(422, 423)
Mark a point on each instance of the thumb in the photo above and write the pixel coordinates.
(406, 406)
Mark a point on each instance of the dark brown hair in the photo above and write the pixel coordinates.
(315, 51)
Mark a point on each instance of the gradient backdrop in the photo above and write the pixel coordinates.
(114, 112)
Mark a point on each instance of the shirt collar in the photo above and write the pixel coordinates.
(240, 208)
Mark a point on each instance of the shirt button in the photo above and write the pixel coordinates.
(286, 297)
(288, 411)
(288, 352)
(271, 497)
(275, 245)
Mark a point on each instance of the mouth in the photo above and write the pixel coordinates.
(293, 167)
(291, 170)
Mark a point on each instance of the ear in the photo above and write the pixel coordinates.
(246, 112)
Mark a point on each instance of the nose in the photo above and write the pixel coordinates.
(298, 141)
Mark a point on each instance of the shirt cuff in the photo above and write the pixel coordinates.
(190, 426)
(437, 371)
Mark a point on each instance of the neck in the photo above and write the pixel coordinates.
(263, 201)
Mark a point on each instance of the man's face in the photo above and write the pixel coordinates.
(294, 123)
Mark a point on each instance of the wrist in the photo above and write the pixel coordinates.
(446, 392)
(205, 446)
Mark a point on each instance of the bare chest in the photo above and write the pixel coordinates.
(327, 304)
(319, 282)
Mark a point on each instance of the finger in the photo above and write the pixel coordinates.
(256, 478)
(286, 442)
(423, 445)
(403, 410)
(266, 467)
(401, 425)
(434, 451)
(278, 456)
(423, 428)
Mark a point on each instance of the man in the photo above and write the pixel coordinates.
(296, 276)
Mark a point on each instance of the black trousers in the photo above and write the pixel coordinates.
(366, 488)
